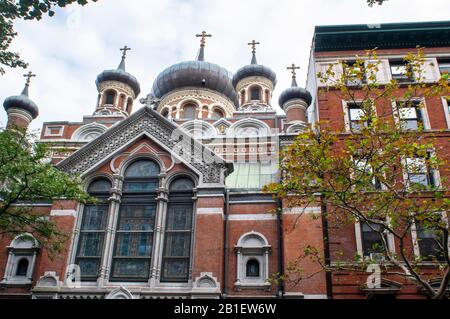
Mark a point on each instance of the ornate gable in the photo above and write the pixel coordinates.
(210, 167)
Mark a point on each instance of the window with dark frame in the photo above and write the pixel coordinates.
(92, 231)
(178, 232)
(22, 268)
(372, 239)
(110, 97)
(401, 71)
(253, 269)
(135, 229)
(429, 243)
(189, 111)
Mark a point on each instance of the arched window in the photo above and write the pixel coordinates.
(165, 113)
(189, 111)
(178, 232)
(252, 268)
(129, 105)
(255, 93)
(135, 227)
(22, 268)
(110, 97)
(217, 114)
(92, 231)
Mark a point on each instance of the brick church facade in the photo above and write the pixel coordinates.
(181, 210)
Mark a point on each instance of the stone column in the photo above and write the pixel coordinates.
(108, 248)
(158, 242)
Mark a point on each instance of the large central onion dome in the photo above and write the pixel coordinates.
(195, 74)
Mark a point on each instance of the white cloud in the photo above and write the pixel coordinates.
(70, 50)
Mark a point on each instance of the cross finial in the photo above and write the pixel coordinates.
(28, 76)
(203, 37)
(124, 51)
(254, 44)
(293, 69)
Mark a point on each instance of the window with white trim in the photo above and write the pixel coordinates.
(411, 115)
(401, 71)
(429, 241)
(419, 173)
(355, 73)
(252, 252)
(446, 105)
(356, 117)
(364, 172)
(22, 254)
(372, 239)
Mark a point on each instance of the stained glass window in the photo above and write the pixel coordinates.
(135, 228)
(92, 231)
(178, 234)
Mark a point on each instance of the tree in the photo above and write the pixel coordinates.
(11, 10)
(27, 177)
(360, 176)
(372, 2)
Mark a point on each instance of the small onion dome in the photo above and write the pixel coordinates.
(196, 74)
(22, 102)
(254, 69)
(119, 75)
(295, 92)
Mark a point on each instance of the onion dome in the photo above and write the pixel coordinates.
(254, 69)
(294, 92)
(196, 74)
(120, 75)
(22, 101)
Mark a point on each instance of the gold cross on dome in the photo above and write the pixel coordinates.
(254, 44)
(203, 37)
(28, 76)
(293, 67)
(125, 49)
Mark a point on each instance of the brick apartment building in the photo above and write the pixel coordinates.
(183, 217)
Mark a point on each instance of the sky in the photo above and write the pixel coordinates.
(68, 51)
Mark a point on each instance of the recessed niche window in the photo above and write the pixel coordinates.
(252, 252)
(54, 130)
(22, 254)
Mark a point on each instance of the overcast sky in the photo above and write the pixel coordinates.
(68, 51)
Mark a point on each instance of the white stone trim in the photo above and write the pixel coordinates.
(248, 217)
(210, 211)
(446, 106)
(64, 213)
(302, 210)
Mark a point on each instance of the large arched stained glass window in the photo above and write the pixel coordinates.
(178, 232)
(134, 235)
(92, 231)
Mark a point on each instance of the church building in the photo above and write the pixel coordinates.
(179, 176)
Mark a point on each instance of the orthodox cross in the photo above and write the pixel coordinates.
(28, 76)
(293, 67)
(203, 37)
(125, 49)
(254, 44)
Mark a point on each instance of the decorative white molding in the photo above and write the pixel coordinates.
(302, 210)
(248, 217)
(64, 213)
(210, 211)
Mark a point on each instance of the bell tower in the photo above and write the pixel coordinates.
(117, 90)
